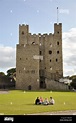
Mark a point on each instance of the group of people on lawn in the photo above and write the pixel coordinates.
(40, 100)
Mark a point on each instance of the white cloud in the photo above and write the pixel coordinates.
(7, 58)
(69, 52)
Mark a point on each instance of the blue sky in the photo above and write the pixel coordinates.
(40, 15)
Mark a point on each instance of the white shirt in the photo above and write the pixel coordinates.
(52, 101)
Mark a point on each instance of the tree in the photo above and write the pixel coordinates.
(2, 74)
(73, 77)
(11, 71)
(73, 83)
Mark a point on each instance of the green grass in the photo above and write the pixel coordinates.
(23, 103)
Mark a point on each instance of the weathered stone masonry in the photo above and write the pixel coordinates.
(38, 57)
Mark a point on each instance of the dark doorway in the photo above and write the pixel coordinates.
(42, 85)
(29, 87)
(42, 82)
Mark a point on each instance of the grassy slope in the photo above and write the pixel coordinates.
(23, 103)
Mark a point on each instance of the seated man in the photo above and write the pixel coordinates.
(37, 101)
(52, 101)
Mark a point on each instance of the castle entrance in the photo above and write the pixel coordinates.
(42, 82)
(29, 87)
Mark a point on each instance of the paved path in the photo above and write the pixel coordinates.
(70, 112)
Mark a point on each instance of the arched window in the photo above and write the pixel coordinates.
(33, 42)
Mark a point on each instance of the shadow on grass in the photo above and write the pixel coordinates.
(37, 105)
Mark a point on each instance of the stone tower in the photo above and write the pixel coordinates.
(38, 57)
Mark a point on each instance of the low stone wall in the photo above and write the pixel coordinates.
(55, 85)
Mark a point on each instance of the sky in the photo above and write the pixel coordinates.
(40, 15)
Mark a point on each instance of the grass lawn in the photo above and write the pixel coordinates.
(18, 102)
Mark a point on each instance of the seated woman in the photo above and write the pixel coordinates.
(46, 102)
(41, 100)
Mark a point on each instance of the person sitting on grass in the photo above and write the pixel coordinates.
(46, 102)
(52, 101)
(37, 101)
(41, 100)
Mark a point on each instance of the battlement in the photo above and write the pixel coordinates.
(58, 29)
(57, 24)
(23, 25)
(24, 28)
(25, 37)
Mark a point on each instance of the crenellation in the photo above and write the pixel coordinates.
(39, 33)
(45, 34)
(50, 34)
(35, 35)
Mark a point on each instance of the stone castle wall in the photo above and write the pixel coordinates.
(37, 57)
(55, 85)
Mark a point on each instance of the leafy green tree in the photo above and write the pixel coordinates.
(73, 83)
(2, 74)
(11, 71)
(73, 77)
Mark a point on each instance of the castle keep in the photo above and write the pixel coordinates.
(38, 59)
